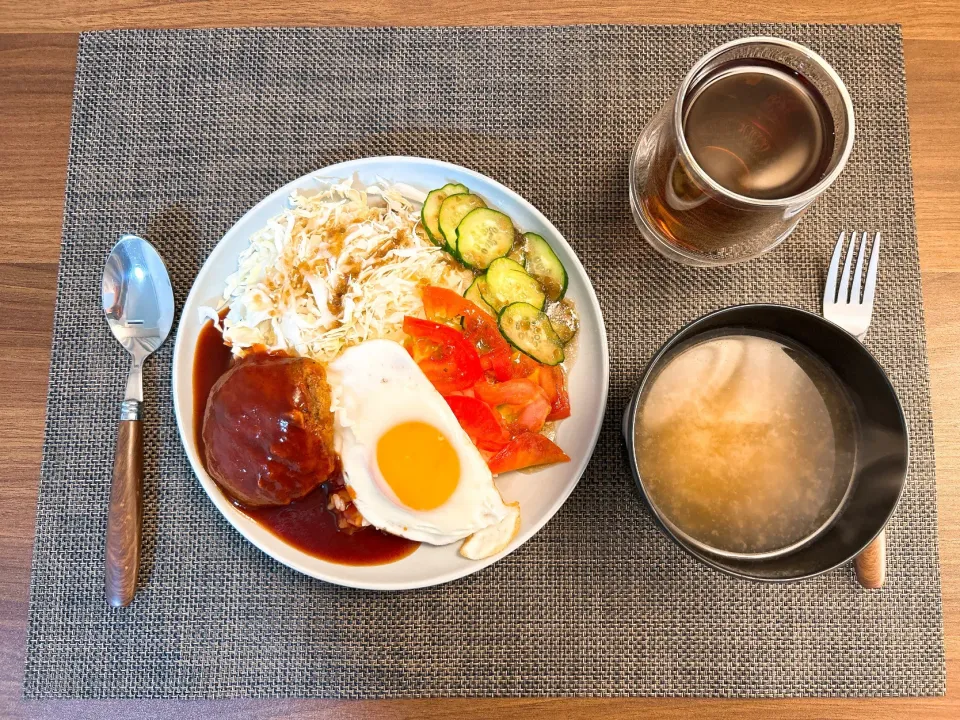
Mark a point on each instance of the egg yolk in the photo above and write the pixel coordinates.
(419, 464)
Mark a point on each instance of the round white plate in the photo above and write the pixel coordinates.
(540, 494)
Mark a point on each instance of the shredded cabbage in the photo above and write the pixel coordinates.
(341, 266)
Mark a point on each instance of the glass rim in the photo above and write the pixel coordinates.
(800, 199)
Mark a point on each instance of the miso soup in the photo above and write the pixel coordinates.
(746, 442)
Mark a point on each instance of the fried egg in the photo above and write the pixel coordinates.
(410, 467)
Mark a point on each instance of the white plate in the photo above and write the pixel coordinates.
(540, 494)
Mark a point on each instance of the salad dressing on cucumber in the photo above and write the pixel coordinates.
(518, 278)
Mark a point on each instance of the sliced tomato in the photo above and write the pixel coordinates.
(466, 393)
(446, 372)
(522, 365)
(480, 421)
(521, 403)
(446, 357)
(430, 330)
(526, 450)
(443, 305)
(546, 381)
(532, 416)
(508, 364)
(497, 362)
(519, 419)
(554, 386)
(483, 332)
(511, 392)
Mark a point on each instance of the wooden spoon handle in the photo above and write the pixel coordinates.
(125, 518)
(871, 563)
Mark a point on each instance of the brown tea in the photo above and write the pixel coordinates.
(755, 127)
(759, 131)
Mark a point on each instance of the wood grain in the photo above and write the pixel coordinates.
(36, 80)
(925, 18)
(125, 516)
(871, 564)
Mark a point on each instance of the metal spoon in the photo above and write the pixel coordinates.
(138, 302)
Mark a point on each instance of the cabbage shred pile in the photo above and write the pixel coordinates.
(341, 266)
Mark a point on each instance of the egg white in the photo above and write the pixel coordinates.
(377, 385)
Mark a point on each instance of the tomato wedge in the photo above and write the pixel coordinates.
(510, 392)
(529, 417)
(429, 330)
(466, 393)
(526, 450)
(443, 305)
(554, 386)
(521, 403)
(446, 357)
(483, 332)
(480, 421)
(515, 399)
(508, 364)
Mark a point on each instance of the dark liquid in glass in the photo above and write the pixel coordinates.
(759, 130)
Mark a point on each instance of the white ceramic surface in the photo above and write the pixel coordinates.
(540, 494)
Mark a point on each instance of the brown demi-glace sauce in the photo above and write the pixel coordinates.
(306, 524)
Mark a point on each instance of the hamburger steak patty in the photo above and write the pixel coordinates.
(268, 430)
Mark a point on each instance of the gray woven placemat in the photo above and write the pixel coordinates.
(176, 134)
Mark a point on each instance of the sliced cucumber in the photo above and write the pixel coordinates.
(542, 262)
(452, 211)
(485, 293)
(529, 331)
(483, 236)
(509, 264)
(430, 214)
(508, 282)
(474, 294)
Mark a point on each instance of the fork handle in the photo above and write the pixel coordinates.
(871, 563)
(125, 517)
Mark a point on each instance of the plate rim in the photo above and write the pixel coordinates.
(219, 500)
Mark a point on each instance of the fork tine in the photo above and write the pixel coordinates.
(830, 289)
(871, 283)
(858, 272)
(843, 294)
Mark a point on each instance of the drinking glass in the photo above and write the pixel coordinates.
(691, 217)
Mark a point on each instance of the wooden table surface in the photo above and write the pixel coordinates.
(37, 57)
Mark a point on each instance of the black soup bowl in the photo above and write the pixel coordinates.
(882, 445)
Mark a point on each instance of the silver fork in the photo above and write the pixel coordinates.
(844, 306)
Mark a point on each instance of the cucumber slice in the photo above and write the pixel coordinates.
(542, 262)
(452, 211)
(529, 331)
(509, 264)
(485, 293)
(474, 294)
(430, 214)
(508, 282)
(483, 236)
